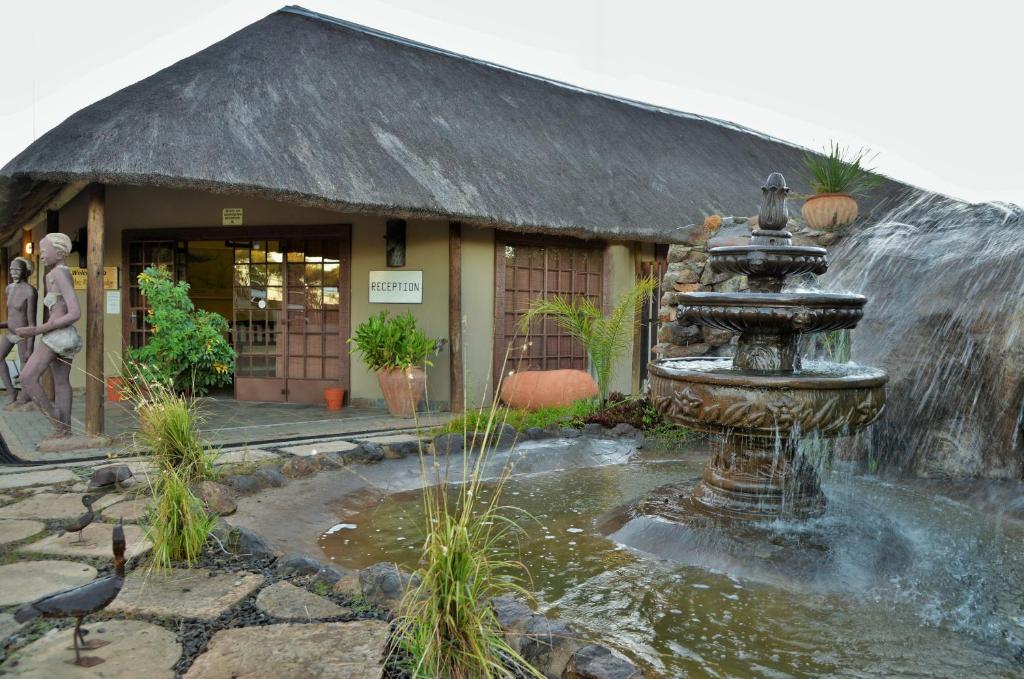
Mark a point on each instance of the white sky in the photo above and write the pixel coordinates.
(935, 88)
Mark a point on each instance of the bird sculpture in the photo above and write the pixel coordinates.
(84, 520)
(81, 601)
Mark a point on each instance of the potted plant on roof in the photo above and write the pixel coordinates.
(398, 349)
(836, 177)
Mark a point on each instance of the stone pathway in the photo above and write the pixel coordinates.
(96, 540)
(47, 505)
(195, 593)
(15, 530)
(288, 602)
(135, 649)
(28, 580)
(316, 650)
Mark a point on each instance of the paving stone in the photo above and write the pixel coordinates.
(54, 506)
(8, 625)
(351, 650)
(135, 648)
(285, 600)
(26, 581)
(129, 510)
(393, 438)
(96, 542)
(4, 499)
(321, 448)
(243, 456)
(37, 478)
(12, 530)
(195, 593)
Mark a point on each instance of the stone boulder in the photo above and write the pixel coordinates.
(548, 644)
(297, 564)
(597, 662)
(452, 443)
(533, 389)
(217, 498)
(114, 476)
(383, 584)
(300, 467)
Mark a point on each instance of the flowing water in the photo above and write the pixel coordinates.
(917, 579)
(945, 289)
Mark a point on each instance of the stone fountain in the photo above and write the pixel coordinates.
(763, 402)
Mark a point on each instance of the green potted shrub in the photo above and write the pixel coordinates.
(397, 349)
(836, 177)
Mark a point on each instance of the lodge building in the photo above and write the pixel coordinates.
(285, 168)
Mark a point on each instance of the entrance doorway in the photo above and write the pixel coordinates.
(286, 301)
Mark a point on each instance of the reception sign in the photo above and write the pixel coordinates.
(396, 287)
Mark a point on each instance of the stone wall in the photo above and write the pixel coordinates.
(688, 271)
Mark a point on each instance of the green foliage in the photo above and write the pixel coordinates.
(836, 345)
(839, 170)
(385, 342)
(622, 409)
(574, 415)
(605, 337)
(188, 348)
(177, 524)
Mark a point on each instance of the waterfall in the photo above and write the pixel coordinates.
(945, 284)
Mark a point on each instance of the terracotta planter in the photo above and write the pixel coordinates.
(334, 398)
(114, 389)
(534, 389)
(403, 390)
(827, 211)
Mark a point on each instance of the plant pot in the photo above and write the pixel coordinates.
(827, 211)
(114, 389)
(403, 390)
(334, 397)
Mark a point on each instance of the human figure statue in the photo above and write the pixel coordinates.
(58, 341)
(21, 313)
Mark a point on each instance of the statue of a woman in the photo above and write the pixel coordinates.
(21, 313)
(59, 341)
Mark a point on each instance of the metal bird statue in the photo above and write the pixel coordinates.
(81, 601)
(84, 520)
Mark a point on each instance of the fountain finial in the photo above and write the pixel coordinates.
(773, 215)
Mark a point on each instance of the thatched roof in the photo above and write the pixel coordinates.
(306, 109)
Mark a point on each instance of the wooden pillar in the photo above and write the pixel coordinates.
(457, 392)
(94, 380)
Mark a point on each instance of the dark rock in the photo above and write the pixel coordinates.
(271, 476)
(115, 475)
(594, 430)
(369, 452)
(217, 498)
(502, 437)
(569, 433)
(512, 615)
(245, 541)
(397, 450)
(332, 460)
(716, 338)
(299, 467)
(677, 351)
(624, 429)
(243, 484)
(534, 434)
(597, 662)
(549, 644)
(679, 333)
(297, 564)
(222, 531)
(331, 575)
(383, 584)
(452, 443)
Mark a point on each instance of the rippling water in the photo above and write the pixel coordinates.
(950, 606)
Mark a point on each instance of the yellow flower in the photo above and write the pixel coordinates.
(220, 367)
(156, 329)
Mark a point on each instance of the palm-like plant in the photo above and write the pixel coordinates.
(604, 336)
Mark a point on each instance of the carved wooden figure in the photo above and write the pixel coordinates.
(58, 342)
(21, 313)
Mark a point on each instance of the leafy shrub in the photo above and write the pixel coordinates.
(188, 348)
(573, 415)
(385, 342)
(622, 409)
(604, 336)
(839, 170)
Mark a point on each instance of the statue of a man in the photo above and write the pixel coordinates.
(21, 313)
(58, 342)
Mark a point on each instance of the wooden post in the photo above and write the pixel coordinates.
(94, 381)
(457, 391)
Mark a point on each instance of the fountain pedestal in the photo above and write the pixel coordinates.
(762, 403)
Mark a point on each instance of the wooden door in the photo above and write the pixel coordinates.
(141, 254)
(529, 269)
(290, 309)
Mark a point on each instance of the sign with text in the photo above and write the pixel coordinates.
(231, 216)
(80, 278)
(396, 287)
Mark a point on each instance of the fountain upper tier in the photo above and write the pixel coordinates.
(770, 321)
